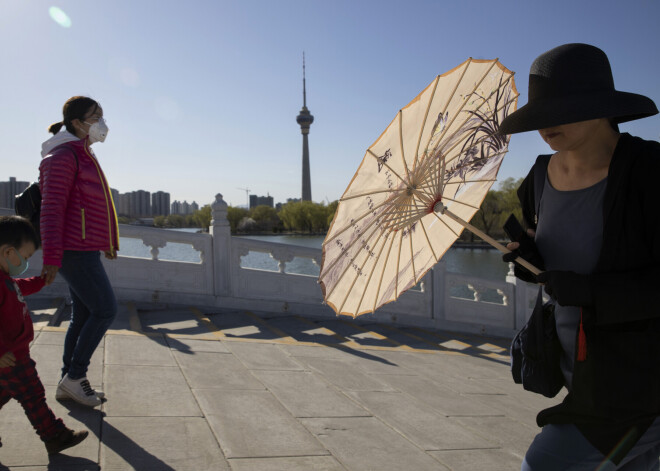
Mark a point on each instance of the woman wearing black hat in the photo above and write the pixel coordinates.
(597, 228)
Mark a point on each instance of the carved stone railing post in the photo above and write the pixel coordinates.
(438, 284)
(282, 256)
(155, 243)
(221, 233)
(519, 298)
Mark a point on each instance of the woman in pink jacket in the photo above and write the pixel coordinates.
(78, 222)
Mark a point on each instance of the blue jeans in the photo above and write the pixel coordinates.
(564, 447)
(93, 310)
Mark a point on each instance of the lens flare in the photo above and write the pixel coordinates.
(59, 17)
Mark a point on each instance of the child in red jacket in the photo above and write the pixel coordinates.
(18, 376)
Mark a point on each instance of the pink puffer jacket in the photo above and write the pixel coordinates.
(77, 211)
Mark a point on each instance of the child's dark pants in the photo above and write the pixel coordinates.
(22, 383)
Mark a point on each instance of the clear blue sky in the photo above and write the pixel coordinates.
(201, 96)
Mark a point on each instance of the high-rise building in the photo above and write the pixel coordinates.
(194, 207)
(176, 207)
(305, 120)
(160, 203)
(9, 190)
(261, 201)
(140, 202)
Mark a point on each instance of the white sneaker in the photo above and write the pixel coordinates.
(61, 394)
(79, 390)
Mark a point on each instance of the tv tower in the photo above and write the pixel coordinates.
(305, 119)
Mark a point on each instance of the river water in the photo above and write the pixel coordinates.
(482, 263)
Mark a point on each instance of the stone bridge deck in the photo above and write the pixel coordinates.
(195, 389)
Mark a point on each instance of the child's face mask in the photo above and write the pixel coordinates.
(17, 270)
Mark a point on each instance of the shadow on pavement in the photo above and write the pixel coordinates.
(133, 454)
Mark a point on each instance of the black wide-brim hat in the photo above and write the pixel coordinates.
(573, 83)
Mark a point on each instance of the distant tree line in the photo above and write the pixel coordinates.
(302, 217)
(200, 218)
(315, 218)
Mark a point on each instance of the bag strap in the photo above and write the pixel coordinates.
(540, 172)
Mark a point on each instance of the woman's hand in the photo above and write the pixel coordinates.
(110, 254)
(529, 253)
(7, 360)
(48, 273)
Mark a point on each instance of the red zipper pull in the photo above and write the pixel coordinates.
(582, 342)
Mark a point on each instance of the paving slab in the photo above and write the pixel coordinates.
(305, 394)
(503, 431)
(160, 444)
(356, 333)
(318, 351)
(45, 337)
(386, 363)
(190, 346)
(257, 356)
(49, 364)
(402, 337)
(491, 460)
(304, 331)
(137, 350)
(508, 405)
(209, 370)
(345, 375)
(420, 423)
(444, 400)
(56, 464)
(238, 324)
(181, 322)
(293, 463)
(23, 447)
(365, 444)
(461, 373)
(43, 310)
(148, 391)
(253, 424)
(122, 320)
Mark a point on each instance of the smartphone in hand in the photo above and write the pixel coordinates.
(513, 229)
(516, 233)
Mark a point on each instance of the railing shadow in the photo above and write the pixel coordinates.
(62, 462)
(132, 453)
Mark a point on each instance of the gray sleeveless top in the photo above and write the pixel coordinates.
(569, 236)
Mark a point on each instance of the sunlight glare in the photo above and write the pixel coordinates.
(59, 17)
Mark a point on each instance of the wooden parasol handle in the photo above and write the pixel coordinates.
(442, 209)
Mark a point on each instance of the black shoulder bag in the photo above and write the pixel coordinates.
(28, 203)
(535, 350)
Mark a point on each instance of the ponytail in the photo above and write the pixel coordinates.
(75, 107)
(55, 127)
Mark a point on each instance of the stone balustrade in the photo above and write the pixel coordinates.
(442, 300)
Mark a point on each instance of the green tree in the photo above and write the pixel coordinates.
(175, 220)
(489, 214)
(159, 221)
(202, 217)
(265, 217)
(331, 209)
(234, 216)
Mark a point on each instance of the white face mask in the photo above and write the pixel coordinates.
(98, 131)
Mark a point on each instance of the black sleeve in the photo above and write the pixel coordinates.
(526, 197)
(629, 295)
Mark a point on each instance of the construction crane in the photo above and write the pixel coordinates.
(247, 196)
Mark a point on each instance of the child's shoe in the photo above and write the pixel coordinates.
(65, 439)
(79, 390)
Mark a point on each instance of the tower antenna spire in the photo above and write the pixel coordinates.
(304, 87)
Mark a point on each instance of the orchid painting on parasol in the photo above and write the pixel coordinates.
(417, 187)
